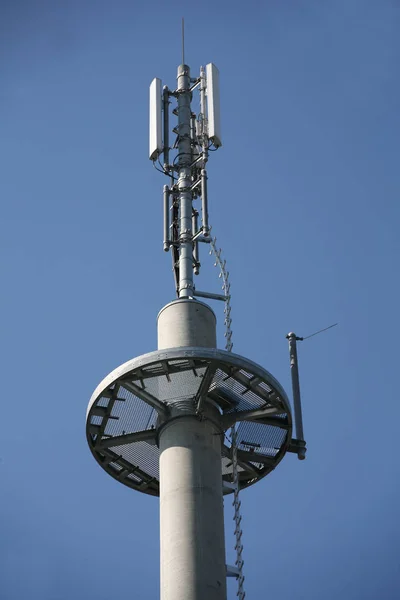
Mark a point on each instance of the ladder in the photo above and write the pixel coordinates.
(236, 503)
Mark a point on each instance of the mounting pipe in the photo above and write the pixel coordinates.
(167, 241)
(166, 127)
(204, 202)
(196, 261)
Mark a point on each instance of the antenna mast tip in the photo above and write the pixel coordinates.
(183, 40)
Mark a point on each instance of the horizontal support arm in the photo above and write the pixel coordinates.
(145, 396)
(148, 435)
(210, 295)
(246, 456)
(262, 415)
(242, 463)
(232, 571)
(204, 387)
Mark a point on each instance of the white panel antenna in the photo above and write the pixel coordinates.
(213, 105)
(155, 139)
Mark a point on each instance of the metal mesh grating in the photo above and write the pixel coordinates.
(173, 387)
(142, 455)
(257, 465)
(103, 402)
(246, 398)
(236, 386)
(129, 416)
(265, 386)
(268, 439)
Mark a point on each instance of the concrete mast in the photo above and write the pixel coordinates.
(157, 423)
(192, 541)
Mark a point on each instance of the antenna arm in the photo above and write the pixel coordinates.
(196, 82)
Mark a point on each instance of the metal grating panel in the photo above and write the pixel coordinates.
(103, 402)
(173, 387)
(237, 385)
(142, 455)
(268, 439)
(131, 415)
(246, 399)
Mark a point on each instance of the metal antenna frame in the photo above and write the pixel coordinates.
(188, 181)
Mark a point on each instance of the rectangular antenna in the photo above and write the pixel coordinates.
(213, 108)
(155, 140)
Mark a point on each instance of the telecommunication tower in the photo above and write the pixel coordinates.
(189, 422)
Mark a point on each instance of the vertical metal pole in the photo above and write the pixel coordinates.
(204, 202)
(195, 146)
(196, 265)
(204, 199)
(294, 370)
(184, 183)
(193, 127)
(166, 126)
(167, 240)
(174, 240)
(203, 87)
(183, 41)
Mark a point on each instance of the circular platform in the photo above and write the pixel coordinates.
(129, 404)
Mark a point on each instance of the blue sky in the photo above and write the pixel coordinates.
(304, 202)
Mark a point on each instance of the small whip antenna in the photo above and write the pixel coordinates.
(183, 41)
(317, 332)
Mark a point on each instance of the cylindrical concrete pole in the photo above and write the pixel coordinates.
(186, 322)
(192, 540)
